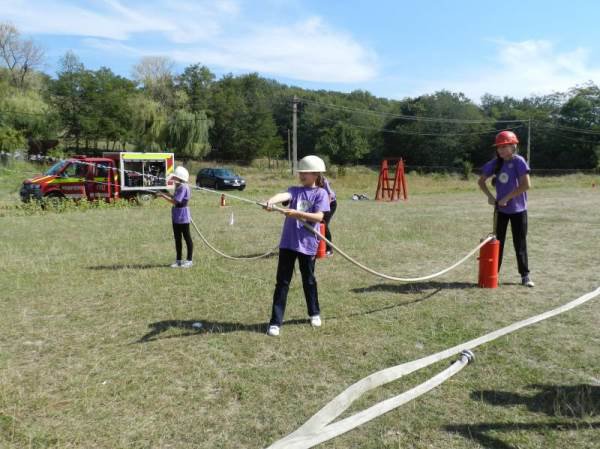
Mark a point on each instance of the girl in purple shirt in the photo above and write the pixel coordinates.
(510, 177)
(181, 217)
(307, 204)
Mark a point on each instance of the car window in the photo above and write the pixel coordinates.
(102, 170)
(223, 172)
(75, 170)
(56, 168)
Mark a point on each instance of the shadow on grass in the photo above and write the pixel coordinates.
(391, 306)
(129, 266)
(415, 287)
(215, 327)
(570, 401)
(147, 266)
(479, 432)
(566, 401)
(208, 327)
(249, 256)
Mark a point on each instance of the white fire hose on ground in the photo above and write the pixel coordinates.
(319, 427)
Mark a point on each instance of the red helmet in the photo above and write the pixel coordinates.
(506, 138)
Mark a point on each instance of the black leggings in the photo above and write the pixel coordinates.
(518, 226)
(327, 218)
(285, 271)
(183, 230)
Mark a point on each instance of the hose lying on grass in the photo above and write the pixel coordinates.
(227, 256)
(319, 428)
(349, 258)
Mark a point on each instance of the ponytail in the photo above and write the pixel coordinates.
(320, 181)
(497, 168)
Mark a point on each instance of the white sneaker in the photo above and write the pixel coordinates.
(177, 264)
(315, 321)
(273, 331)
(187, 264)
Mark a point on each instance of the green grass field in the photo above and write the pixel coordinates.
(97, 348)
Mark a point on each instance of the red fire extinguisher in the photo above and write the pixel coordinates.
(488, 264)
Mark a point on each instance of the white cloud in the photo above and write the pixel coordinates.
(520, 69)
(306, 50)
(112, 46)
(109, 19)
(217, 33)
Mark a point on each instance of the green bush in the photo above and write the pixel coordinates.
(11, 139)
(467, 170)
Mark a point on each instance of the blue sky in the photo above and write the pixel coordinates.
(393, 49)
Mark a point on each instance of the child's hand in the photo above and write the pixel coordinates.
(267, 205)
(292, 213)
(503, 202)
(491, 201)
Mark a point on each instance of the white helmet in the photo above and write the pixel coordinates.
(180, 173)
(311, 164)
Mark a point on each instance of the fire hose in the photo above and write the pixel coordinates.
(227, 256)
(319, 427)
(320, 236)
(351, 259)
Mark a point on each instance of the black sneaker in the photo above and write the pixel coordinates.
(527, 282)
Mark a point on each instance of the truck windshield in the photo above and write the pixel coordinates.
(53, 171)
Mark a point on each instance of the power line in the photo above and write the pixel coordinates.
(569, 129)
(574, 139)
(408, 117)
(389, 131)
(87, 118)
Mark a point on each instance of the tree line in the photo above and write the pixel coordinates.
(245, 117)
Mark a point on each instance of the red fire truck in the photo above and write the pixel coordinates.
(125, 175)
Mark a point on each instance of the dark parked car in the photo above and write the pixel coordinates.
(219, 179)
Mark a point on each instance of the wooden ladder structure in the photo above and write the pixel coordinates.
(398, 189)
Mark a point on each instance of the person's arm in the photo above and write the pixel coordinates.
(524, 186)
(321, 206)
(314, 217)
(278, 198)
(481, 182)
(167, 197)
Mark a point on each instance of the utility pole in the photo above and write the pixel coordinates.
(289, 148)
(529, 143)
(294, 135)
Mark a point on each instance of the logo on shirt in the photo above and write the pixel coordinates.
(503, 177)
(304, 205)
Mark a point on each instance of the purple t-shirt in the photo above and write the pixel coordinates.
(180, 213)
(328, 189)
(294, 235)
(507, 180)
